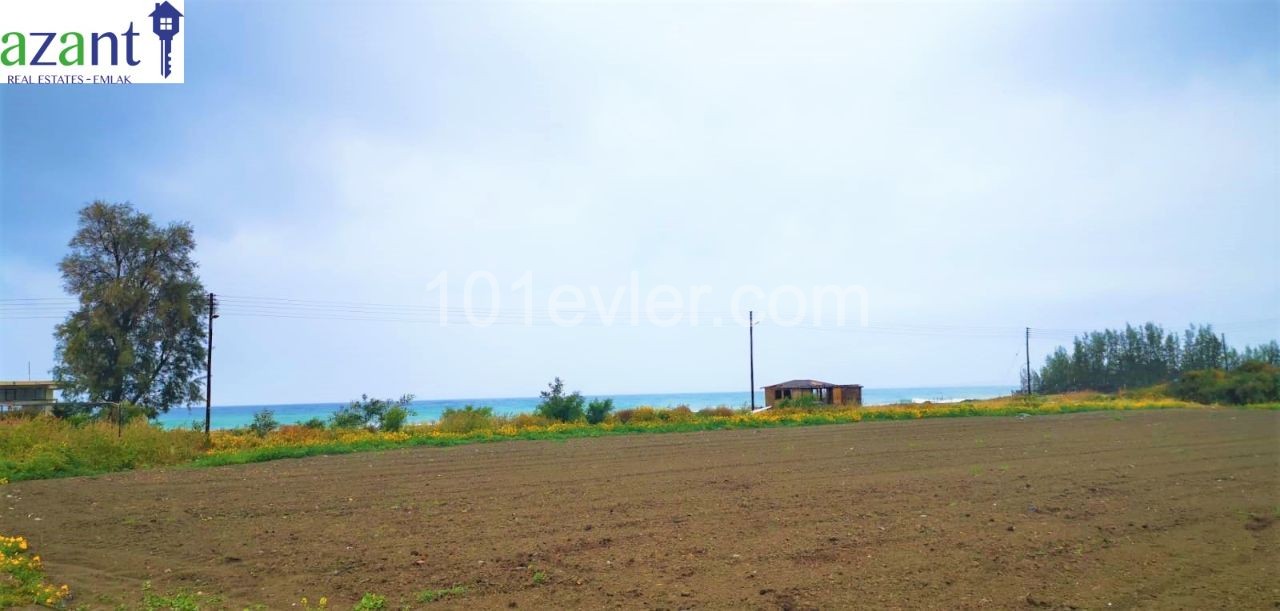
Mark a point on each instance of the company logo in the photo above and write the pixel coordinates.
(56, 42)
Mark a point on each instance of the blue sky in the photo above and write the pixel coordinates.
(976, 167)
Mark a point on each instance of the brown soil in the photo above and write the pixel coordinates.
(1169, 509)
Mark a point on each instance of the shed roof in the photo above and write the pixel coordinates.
(807, 384)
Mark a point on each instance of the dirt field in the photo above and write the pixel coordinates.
(1149, 509)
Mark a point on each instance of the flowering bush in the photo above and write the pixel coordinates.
(467, 419)
(25, 582)
(43, 447)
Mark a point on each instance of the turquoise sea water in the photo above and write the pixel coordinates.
(232, 416)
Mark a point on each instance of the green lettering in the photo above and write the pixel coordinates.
(78, 48)
(20, 46)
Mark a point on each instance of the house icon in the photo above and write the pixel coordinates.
(165, 22)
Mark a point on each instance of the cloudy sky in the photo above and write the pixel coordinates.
(974, 167)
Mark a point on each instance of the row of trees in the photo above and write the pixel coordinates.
(1133, 357)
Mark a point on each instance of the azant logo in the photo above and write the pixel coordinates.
(89, 41)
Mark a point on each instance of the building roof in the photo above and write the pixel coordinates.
(164, 9)
(806, 384)
(28, 383)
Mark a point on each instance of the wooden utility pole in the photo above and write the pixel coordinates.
(1028, 351)
(208, 367)
(751, 351)
(1225, 364)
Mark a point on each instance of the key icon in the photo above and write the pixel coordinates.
(165, 23)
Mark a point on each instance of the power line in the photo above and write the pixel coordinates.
(245, 306)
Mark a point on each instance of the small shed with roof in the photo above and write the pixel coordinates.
(823, 392)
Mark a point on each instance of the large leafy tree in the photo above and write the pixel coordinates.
(138, 333)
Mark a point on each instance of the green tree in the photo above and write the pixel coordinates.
(1268, 353)
(1136, 357)
(556, 405)
(264, 421)
(386, 414)
(598, 410)
(138, 333)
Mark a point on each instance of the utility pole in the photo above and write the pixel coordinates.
(208, 367)
(1224, 351)
(1028, 351)
(751, 350)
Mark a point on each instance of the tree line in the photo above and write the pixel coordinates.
(1135, 357)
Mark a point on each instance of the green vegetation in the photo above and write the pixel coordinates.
(598, 410)
(1135, 357)
(38, 448)
(381, 414)
(394, 418)
(1250, 383)
(720, 412)
(264, 421)
(556, 405)
(182, 600)
(466, 420)
(430, 596)
(22, 580)
(370, 602)
(681, 413)
(50, 447)
(802, 401)
(138, 334)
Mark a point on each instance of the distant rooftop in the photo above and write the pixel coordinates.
(28, 383)
(807, 384)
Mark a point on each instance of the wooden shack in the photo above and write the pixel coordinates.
(823, 392)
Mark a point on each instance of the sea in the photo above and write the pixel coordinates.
(235, 416)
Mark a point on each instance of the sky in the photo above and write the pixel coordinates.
(972, 168)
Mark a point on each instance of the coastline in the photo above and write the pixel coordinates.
(429, 410)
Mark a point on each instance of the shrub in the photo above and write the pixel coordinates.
(264, 422)
(523, 421)
(716, 412)
(1251, 382)
(466, 420)
(49, 447)
(369, 413)
(556, 405)
(804, 401)
(394, 418)
(637, 414)
(680, 413)
(598, 410)
(371, 602)
(313, 423)
(1203, 386)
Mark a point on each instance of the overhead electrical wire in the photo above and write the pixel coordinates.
(243, 306)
